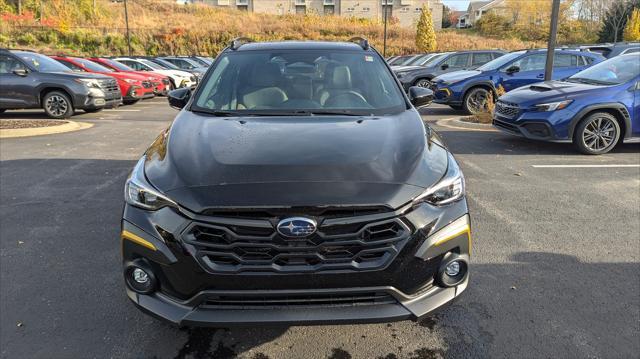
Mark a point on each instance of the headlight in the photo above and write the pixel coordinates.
(449, 189)
(552, 106)
(91, 83)
(139, 192)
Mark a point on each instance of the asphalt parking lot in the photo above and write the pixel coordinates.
(555, 266)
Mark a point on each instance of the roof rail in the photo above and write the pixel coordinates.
(239, 41)
(364, 43)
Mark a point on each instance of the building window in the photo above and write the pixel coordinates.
(365, 9)
(350, 9)
(329, 2)
(301, 9)
(243, 7)
(404, 9)
(329, 9)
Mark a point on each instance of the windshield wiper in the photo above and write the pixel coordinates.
(217, 113)
(589, 81)
(332, 113)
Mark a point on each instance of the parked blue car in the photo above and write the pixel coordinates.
(468, 90)
(595, 108)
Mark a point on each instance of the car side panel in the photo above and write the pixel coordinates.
(635, 116)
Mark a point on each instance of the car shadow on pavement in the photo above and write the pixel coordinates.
(62, 292)
(497, 143)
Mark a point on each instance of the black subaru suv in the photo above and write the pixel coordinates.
(297, 185)
(32, 80)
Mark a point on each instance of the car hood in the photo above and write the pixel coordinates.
(542, 92)
(127, 75)
(205, 162)
(405, 68)
(456, 76)
(80, 75)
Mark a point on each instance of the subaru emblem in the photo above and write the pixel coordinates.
(296, 227)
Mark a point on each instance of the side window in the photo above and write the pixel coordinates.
(71, 66)
(481, 58)
(565, 60)
(631, 50)
(8, 64)
(136, 66)
(460, 60)
(534, 62)
(587, 60)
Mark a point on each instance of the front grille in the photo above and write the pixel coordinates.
(296, 300)
(257, 247)
(146, 84)
(110, 88)
(506, 126)
(507, 109)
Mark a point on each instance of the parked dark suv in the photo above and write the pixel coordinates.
(443, 63)
(298, 184)
(32, 80)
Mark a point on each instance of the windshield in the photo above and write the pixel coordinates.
(500, 61)
(117, 65)
(434, 59)
(299, 82)
(152, 64)
(615, 71)
(164, 63)
(417, 59)
(42, 63)
(92, 65)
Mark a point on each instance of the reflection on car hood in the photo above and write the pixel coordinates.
(547, 91)
(81, 75)
(457, 76)
(207, 162)
(405, 68)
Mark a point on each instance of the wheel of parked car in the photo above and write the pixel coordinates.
(597, 134)
(57, 105)
(475, 100)
(423, 83)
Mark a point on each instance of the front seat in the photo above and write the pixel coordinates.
(338, 87)
(263, 90)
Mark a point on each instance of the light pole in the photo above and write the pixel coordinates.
(126, 20)
(551, 46)
(384, 37)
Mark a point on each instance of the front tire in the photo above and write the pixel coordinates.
(57, 105)
(475, 100)
(597, 134)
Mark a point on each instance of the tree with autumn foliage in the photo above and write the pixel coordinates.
(425, 34)
(632, 29)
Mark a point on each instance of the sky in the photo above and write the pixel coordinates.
(456, 4)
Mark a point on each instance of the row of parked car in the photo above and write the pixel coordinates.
(62, 84)
(593, 100)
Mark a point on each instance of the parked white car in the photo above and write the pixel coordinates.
(178, 78)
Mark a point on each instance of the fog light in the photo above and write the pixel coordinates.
(452, 270)
(140, 276)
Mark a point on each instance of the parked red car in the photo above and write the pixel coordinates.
(161, 82)
(133, 86)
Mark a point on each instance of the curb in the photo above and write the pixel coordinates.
(458, 124)
(69, 126)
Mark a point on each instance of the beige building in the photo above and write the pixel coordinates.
(406, 12)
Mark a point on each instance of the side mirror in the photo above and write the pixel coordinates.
(445, 66)
(513, 69)
(179, 98)
(420, 96)
(21, 72)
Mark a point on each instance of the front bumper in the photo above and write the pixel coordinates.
(445, 96)
(406, 283)
(541, 126)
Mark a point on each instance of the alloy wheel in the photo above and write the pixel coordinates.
(477, 101)
(423, 83)
(57, 105)
(599, 134)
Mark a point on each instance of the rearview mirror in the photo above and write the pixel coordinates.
(513, 69)
(420, 96)
(179, 98)
(21, 72)
(444, 67)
